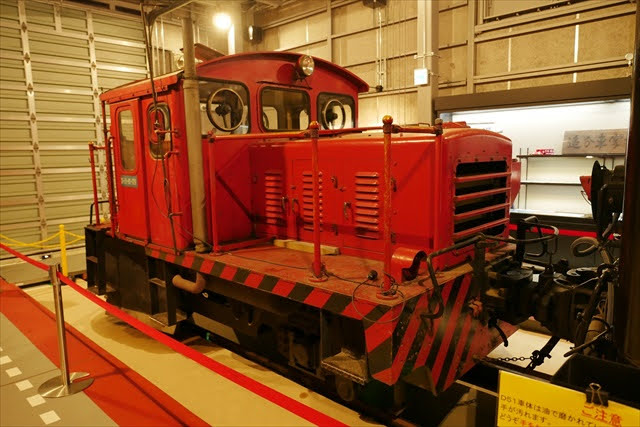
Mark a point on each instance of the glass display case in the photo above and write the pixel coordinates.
(556, 145)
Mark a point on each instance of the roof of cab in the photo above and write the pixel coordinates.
(142, 87)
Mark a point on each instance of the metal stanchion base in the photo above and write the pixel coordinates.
(56, 388)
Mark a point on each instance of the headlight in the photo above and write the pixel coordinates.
(305, 66)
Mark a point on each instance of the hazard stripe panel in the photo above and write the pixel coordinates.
(300, 292)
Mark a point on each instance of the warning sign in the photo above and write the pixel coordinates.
(526, 402)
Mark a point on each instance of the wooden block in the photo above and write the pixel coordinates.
(297, 245)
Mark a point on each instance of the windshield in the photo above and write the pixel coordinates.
(285, 109)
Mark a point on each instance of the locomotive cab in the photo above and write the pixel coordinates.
(239, 94)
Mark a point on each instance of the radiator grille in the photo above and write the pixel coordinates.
(273, 193)
(307, 200)
(367, 205)
(481, 199)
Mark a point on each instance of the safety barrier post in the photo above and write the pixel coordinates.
(65, 384)
(63, 251)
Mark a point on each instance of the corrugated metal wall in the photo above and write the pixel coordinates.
(484, 45)
(348, 33)
(56, 59)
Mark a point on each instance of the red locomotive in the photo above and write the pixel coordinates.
(316, 232)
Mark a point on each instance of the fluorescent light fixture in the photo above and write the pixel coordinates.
(222, 21)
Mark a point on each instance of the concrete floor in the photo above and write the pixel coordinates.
(217, 400)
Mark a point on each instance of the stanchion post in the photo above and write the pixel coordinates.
(63, 251)
(64, 384)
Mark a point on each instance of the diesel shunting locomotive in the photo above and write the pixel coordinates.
(374, 258)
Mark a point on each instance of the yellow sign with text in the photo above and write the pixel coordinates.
(526, 402)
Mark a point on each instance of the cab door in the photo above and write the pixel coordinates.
(129, 167)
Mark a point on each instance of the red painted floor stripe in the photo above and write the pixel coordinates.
(124, 395)
(300, 409)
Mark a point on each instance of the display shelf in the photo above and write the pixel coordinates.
(530, 182)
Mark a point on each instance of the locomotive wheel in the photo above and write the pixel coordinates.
(345, 388)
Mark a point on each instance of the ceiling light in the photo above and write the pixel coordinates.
(222, 21)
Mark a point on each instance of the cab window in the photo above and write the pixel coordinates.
(336, 111)
(126, 140)
(224, 107)
(159, 127)
(284, 109)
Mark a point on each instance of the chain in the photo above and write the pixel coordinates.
(509, 359)
(466, 402)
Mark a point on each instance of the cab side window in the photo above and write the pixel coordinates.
(224, 107)
(126, 140)
(284, 109)
(159, 129)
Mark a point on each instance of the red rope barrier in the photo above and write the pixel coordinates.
(242, 380)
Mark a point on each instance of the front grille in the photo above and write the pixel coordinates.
(481, 199)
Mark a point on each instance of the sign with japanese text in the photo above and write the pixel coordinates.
(605, 141)
(526, 402)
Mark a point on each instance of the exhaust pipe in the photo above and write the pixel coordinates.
(189, 286)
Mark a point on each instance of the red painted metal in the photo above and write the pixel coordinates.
(479, 194)
(516, 179)
(317, 261)
(470, 178)
(215, 240)
(96, 205)
(481, 211)
(480, 228)
(387, 207)
(242, 245)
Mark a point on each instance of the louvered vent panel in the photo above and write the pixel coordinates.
(273, 193)
(307, 200)
(481, 199)
(367, 205)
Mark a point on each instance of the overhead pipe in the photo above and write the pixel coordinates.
(157, 12)
(194, 141)
(627, 296)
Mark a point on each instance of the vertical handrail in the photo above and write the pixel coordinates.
(387, 125)
(93, 180)
(110, 184)
(437, 202)
(63, 250)
(213, 194)
(317, 261)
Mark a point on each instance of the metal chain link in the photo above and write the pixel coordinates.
(510, 359)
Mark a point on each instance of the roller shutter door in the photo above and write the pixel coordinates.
(56, 60)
